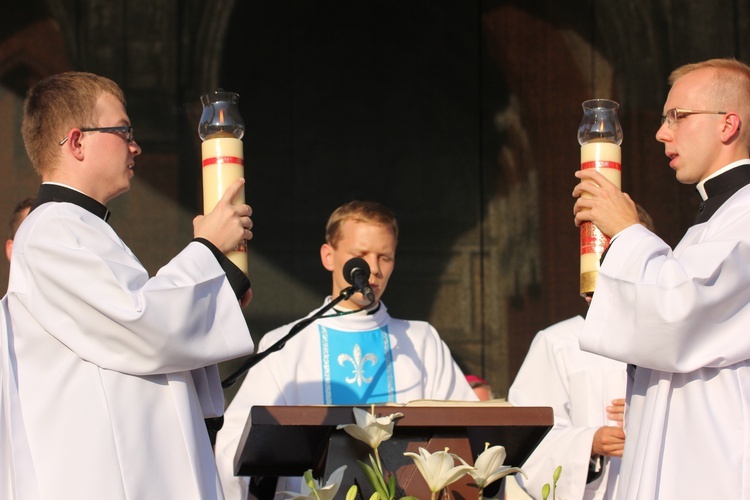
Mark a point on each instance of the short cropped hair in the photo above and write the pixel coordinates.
(18, 215)
(56, 104)
(727, 64)
(359, 211)
(730, 90)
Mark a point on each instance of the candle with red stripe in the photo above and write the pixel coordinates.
(600, 136)
(221, 128)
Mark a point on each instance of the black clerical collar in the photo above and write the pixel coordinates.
(720, 188)
(731, 180)
(59, 193)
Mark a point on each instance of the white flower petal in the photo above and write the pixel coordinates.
(490, 468)
(454, 475)
(438, 468)
(369, 429)
(389, 419)
(362, 417)
(336, 476)
(502, 472)
(419, 461)
(327, 492)
(491, 458)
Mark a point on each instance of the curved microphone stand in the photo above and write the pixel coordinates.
(301, 324)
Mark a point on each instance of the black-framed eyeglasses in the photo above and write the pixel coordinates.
(676, 114)
(125, 131)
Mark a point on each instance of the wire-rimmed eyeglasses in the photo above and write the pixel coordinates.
(125, 131)
(676, 114)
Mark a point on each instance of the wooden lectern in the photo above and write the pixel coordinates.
(288, 440)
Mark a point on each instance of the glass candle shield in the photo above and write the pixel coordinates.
(600, 136)
(221, 129)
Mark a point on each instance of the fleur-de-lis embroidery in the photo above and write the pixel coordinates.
(358, 363)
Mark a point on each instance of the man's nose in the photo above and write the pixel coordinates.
(664, 133)
(374, 266)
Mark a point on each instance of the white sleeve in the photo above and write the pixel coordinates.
(88, 291)
(207, 383)
(18, 477)
(674, 311)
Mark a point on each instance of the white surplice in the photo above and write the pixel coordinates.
(423, 368)
(683, 318)
(107, 375)
(578, 386)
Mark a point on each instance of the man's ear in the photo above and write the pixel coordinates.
(74, 144)
(326, 256)
(731, 128)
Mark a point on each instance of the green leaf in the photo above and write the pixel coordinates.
(374, 478)
(392, 487)
(382, 487)
(369, 473)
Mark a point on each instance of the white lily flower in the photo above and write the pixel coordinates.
(438, 469)
(489, 467)
(318, 491)
(370, 429)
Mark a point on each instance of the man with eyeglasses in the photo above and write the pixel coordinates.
(108, 374)
(680, 317)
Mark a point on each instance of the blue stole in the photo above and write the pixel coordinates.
(357, 367)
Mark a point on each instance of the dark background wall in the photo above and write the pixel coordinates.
(460, 116)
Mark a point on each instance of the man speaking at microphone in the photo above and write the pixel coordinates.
(357, 354)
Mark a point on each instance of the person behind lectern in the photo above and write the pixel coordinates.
(680, 316)
(357, 355)
(587, 395)
(107, 373)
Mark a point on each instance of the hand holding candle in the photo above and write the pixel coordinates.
(221, 128)
(227, 223)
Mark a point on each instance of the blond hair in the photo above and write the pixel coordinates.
(359, 211)
(55, 105)
(730, 89)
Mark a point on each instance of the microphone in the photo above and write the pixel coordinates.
(357, 274)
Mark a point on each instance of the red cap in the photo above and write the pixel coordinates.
(473, 379)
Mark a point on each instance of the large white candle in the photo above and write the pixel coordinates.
(606, 158)
(223, 163)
